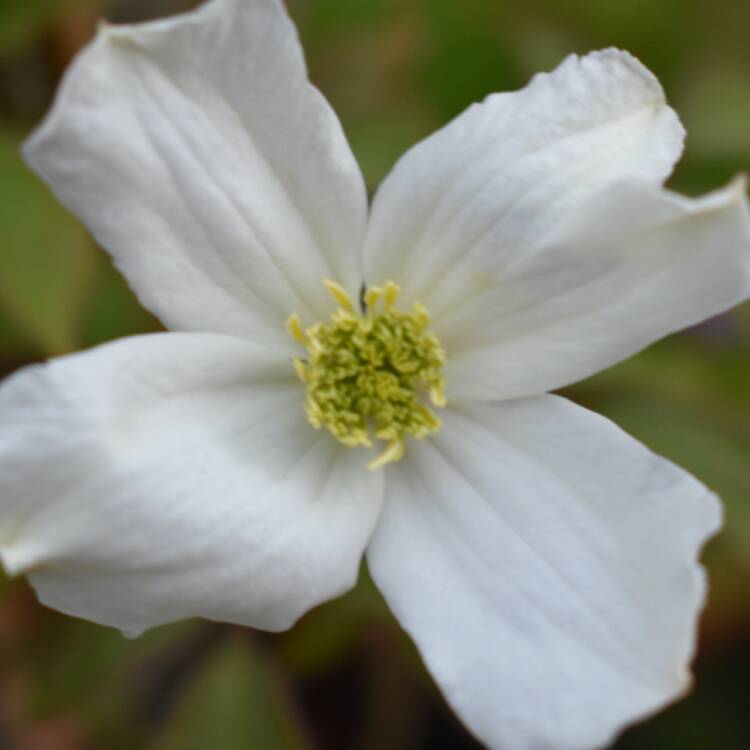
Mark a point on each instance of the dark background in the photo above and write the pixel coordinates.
(346, 677)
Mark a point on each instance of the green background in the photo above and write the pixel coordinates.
(346, 676)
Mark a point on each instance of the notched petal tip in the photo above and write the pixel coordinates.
(617, 56)
(17, 562)
(622, 76)
(732, 195)
(611, 58)
(121, 35)
(131, 634)
(717, 513)
(739, 184)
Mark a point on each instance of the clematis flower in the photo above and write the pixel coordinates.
(340, 380)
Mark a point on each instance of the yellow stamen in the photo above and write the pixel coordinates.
(372, 297)
(391, 291)
(299, 368)
(437, 396)
(371, 375)
(294, 328)
(339, 294)
(422, 315)
(393, 453)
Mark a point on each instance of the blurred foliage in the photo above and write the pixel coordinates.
(46, 257)
(235, 700)
(346, 676)
(22, 20)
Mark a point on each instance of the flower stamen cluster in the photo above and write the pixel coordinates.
(367, 373)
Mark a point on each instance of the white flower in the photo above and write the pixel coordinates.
(543, 561)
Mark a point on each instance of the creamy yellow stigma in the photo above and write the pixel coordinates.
(369, 375)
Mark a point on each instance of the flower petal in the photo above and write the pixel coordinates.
(545, 564)
(635, 264)
(200, 156)
(173, 475)
(502, 174)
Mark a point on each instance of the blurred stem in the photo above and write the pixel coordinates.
(395, 711)
(266, 647)
(76, 29)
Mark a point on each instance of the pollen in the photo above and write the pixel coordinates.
(371, 374)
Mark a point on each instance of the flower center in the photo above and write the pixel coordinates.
(368, 375)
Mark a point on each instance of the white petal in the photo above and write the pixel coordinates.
(173, 475)
(635, 264)
(502, 174)
(545, 564)
(199, 155)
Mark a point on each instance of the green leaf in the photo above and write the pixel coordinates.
(89, 671)
(234, 701)
(21, 20)
(46, 257)
(469, 55)
(328, 635)
(379, 141)
(324, 16)
(113, 310)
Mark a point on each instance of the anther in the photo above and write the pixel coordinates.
(339, 294)
(391, 291)
(300, 369)
(372, 297)
(294, 328)
(393, 453)
(437, 396)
